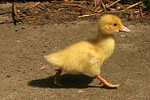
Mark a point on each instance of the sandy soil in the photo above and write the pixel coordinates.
(25, 75)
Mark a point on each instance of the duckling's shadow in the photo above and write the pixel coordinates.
(67, 81)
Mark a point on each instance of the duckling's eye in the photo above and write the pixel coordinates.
(115, 24)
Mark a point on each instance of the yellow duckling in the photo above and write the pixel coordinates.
(86, 57)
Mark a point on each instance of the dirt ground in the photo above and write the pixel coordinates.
(25, 75)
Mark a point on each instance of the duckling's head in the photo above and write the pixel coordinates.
(109, 24)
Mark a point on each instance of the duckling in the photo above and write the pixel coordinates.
(86, 57)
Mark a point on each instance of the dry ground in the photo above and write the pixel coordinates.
(25, 75)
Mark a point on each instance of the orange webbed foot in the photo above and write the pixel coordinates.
(56, 82)
(105, 82)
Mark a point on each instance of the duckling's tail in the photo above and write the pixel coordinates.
(54, 59)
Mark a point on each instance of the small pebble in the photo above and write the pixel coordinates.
(80, 91)
(8, 76)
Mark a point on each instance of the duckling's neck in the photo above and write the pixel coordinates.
(104, 37)
(105, 42)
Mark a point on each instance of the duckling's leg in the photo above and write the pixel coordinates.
(105, 82)
(59, 71)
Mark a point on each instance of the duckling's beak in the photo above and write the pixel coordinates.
(124, 29)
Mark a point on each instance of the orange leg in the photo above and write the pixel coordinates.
(105, 82)
(59, 71)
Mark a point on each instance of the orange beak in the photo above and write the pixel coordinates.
(124, 29)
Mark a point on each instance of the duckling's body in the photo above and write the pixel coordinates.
(86, 57)
(83, 57)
